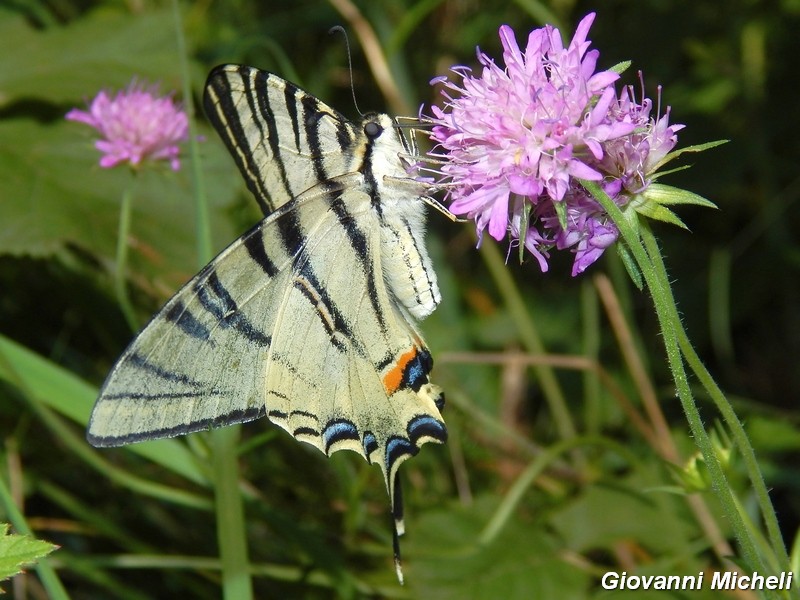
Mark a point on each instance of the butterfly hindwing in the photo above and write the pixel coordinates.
(357, 353)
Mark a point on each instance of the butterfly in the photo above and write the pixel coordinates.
(310, 317)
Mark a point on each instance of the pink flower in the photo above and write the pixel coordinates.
(135, 125)
(513, 143)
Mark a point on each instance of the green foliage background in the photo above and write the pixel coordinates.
(138, 524)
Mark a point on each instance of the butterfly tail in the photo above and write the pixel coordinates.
(398, 525)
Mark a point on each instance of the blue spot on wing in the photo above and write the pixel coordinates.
(370, 443)
(396, 447)
(338, 431)
(418, 427)
(416, 375)
(426, 426)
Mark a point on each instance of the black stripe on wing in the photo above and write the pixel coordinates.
(187, 322)
(358, 241)
(290, 98)
(291, 233)
(306, 429)
(254, 243)
(425, 426)
(138, 361)
(235, 416)
(215, 298)
(328, 312)
(194, 388)
(429, 285)
(370, 444)
(224, 115)
(312, 115)
(261, 95)
(279, 414)
(373, 130)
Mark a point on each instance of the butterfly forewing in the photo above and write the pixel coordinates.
(307, 318)
(284, 140)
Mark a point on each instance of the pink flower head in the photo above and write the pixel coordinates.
(526, 132)
(135, 125)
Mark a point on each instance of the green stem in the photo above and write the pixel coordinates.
(670, 324)
(47, 574)
(202, 220)
(726, 410)
(231, 530)
(121, 267)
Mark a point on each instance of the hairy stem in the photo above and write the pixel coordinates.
(670, 324)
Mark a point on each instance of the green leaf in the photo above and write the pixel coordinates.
(676, 153)
(660, 213)
(653, 202)
(604, 515)
(103, 49)
(669, 195)
(523, 562)
(630, 265)
(19, 551)
(772, 435)
(524, 223)
(660, 174)
(621, 67)
(55, 194)
(69, 395)
(561, 212)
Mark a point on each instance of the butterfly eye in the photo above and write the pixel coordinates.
(372, 129)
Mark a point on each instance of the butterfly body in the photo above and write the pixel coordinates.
(308, 318)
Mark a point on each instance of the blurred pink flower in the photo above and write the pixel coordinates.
(135, 125)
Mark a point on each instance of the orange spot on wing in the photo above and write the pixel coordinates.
(393, 379)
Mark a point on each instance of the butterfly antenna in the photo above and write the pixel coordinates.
(340, 29)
